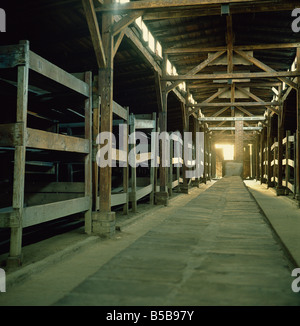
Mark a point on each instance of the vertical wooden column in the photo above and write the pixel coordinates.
(185, 126)
(257, 158)
(269, 144)
(170, 179)
(162, 197)
(105, 221)
(126, 168)
(287, 157)
(297, 163)
(95, 130)
(279, 188)
(153, 160)
(15, 253)
(88, 158)
(262, 156)
(133, 165)
(275, 165)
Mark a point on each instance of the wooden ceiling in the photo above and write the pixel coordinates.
(58, 31)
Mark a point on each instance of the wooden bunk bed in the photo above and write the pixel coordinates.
(32, 203)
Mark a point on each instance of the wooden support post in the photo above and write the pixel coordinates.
(96, 129)
(162, 197)
(185, 118)
(88, 157)
(126, 169)
(15, 253)
(104, 224)
(269, 144)
(257, 158)
(279, 189)
(170, 179)
(287, 157)
(297, 163)
(152, 167)
(262, 156)
(275, 165)
(133, 165)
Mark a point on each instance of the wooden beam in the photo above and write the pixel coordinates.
(232, 76)
(118, 41)
(215, 11)
(213, 119)
(256, 98)
(211, 98)
(233, 128)
(51, 71)
(198, 49)
(264, 67)
(155, 4)
(298, 131)
(125, 21)
(198, 68)
(220, 111)
(235, 104)
(92, 21)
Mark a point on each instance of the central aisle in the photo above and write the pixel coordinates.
(215, 250)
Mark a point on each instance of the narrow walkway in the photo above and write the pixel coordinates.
(215, 249)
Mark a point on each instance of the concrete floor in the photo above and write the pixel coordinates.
(213, 247)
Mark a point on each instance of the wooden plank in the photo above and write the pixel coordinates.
(140, 193)
(50, 141)
(48, 212)
(144, 124)
(198, 49)
(46, 68)
(12, 134)
(235, 75)
(235, 104)
(118, 199)
(120, 111)
(93, 25)
(156, 4)
(215, 11)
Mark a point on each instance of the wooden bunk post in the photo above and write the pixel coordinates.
(287, 166)
(15, 254)
(298, 133)
(96, 129)
(162, 197)
(185, 118)
(104, 224)
(257, 158)
(88, 157)
(279, 189)
(153, 160)
(269, 182)
(262, 156)
(126, 170)
(133, 166)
